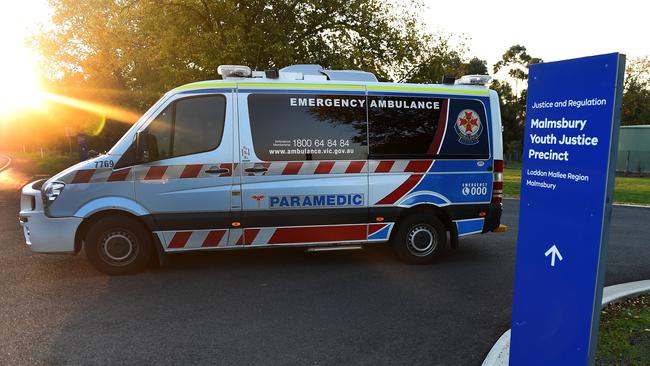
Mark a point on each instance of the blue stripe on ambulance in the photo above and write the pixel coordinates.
(469, 226)
(382, 234)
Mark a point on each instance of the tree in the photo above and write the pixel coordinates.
(149, 47)
(129, 52)
(437, 59)
(513, 104)
(636, 93)
(517, 60)
(476, 66)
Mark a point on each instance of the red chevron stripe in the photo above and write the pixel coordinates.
(404, 188)
(373, 228)
(213, 238)
(155, 172)
(384, 166)
(355, 167)
(191, 171)
(179, 239)
(292, 168)
(83, 176)
(250, 235)
(324, 167)
(417, 166)
(119, 175)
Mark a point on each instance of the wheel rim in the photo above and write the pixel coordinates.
(118, 247)
(422, 240)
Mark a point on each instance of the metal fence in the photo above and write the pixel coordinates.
(633, 162)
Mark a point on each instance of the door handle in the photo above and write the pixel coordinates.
(217, 170)
(256, 170)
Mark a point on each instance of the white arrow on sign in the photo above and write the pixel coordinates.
(553, 252)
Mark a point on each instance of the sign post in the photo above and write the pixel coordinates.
(571, 137)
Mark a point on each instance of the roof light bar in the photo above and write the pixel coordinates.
(234, 71)
(474, 80)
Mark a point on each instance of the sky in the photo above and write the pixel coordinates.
(552, 30)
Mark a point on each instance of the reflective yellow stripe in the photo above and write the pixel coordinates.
(427, 90)
(386, 88)
(315, 86)
(206, 85)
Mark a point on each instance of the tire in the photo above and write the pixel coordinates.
(118, 245)
(419, 239)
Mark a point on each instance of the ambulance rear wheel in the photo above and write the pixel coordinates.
(118, 245)
(419, 239)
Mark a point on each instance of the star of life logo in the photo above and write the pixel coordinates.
(468, 126)
(258, 198)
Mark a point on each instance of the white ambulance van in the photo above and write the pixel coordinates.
(297, 157)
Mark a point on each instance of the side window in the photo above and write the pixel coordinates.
(187, 126)
(308, 127)
(198, 124)
(159, 137)
(405, 126)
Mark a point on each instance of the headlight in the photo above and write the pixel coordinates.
(51, 191)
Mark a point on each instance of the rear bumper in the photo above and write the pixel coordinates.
(493, 217)
(45, 234)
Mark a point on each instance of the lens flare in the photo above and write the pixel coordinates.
(106, 111)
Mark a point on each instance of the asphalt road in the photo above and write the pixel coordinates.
(277, 306)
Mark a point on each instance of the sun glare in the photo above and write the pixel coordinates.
(19, 76)
(20, 83)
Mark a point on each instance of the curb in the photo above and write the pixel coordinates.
(6, 165)
(615, 204)
(499, 355)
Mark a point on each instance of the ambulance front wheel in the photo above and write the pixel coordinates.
(420, 239)
(118, 245)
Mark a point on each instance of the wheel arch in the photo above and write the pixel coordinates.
(97, 215)
(429, 208)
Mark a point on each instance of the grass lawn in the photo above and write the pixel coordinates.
(626, 189)
(625, 333)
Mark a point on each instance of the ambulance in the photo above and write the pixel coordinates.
(301, 156)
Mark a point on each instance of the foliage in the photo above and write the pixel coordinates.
(512, 116)
(148, 47)
(513, 103)
(625, 333)
(129, 52)
(636, 94)
(636, 97)
(476, 66)
(517, 60)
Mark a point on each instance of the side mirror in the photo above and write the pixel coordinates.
(141, 147)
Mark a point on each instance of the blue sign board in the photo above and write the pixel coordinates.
(570, 144)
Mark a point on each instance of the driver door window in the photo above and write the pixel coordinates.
(187, 126)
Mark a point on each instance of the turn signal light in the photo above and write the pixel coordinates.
(236, 223)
